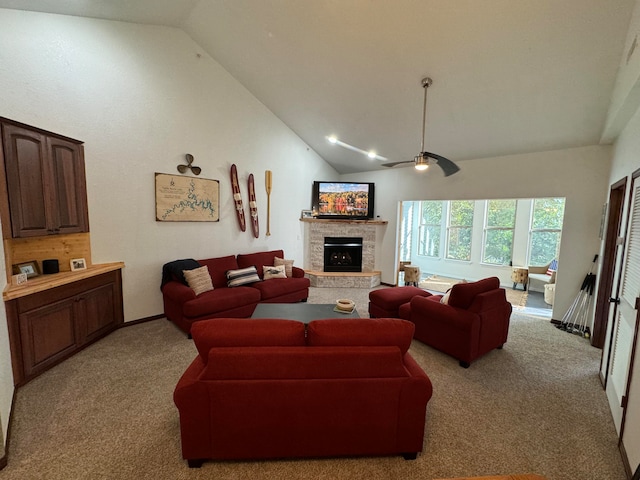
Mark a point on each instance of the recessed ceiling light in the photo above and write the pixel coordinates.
(371, 154)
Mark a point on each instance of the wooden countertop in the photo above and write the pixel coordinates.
(46, 282)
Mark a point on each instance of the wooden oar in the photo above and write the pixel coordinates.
(267, 184)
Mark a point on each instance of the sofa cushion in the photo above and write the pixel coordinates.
(391, 298)
(288, 265)
(269, 272)
(361, 332)
(462, 294)
(198, 279)
(220, 300)
(301, 363)
(242, 276)
(277, 287)
(234, 332)
(218, 268)
(259, 259)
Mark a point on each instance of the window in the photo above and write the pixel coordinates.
(499, 225)
(460, 226)
(430, 228)
(546, 230)
(406, 230)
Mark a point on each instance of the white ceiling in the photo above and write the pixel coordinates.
(509, 76)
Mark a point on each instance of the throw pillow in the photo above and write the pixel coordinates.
(288, 265)
(198, 279)
(242, 276)
(273, 272)
(445, 298)
(553, 267)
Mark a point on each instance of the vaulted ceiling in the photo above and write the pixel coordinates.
(508, 76)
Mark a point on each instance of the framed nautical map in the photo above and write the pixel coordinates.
(186, 199)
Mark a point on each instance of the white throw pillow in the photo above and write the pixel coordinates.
(198, 279)
(445, 298)
(273, 272)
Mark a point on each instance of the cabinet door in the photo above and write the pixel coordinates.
(26, 167)
(48, 334)
(98, 312)
(69, 196)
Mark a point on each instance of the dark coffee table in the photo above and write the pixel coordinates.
(303, 312)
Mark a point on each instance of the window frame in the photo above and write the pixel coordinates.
(458, 228)
(486, 228)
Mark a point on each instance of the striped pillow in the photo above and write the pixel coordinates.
(242, 276)
(553, 266)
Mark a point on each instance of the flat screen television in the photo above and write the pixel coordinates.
(350, 200)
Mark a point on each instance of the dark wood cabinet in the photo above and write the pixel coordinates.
(46, 182)
(49, 326)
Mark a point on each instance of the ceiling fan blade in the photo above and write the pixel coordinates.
(393, 164)
(448, 167)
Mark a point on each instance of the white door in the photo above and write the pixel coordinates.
(625, 321)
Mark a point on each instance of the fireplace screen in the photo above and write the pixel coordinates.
(343, 254)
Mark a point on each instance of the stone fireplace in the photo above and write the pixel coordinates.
(316, 234)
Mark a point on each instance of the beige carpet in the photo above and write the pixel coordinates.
(536, 406)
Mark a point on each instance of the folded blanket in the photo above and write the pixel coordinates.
(173, 270)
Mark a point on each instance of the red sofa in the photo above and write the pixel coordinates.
(183, 307)
(474, 322)
(262, 389)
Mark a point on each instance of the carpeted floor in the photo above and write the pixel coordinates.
(536, 406)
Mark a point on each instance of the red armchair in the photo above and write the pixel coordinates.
(474, 321)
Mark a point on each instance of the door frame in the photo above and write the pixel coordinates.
(607, 273)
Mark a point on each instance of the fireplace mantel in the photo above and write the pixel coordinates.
(343, 220)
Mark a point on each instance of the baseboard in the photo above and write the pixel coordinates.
(555, 322)
(141, 320)
(388, 284)
(625, 460)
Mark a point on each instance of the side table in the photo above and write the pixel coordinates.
(520, 275)
(411, 275)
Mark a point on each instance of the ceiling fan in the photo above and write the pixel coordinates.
(424, 159)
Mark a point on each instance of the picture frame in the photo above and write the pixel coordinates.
(29, 268)
(306, 214)
(186, 199)
(78, 264)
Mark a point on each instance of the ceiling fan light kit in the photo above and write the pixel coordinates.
(424, 158)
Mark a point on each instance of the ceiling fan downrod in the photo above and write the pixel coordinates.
(422, 160)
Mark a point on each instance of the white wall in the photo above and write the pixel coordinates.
(576, 174)
(141, 97)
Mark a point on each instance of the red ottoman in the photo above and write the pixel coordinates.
(385, 302)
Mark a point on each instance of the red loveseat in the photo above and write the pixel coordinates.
(262, 389)
(474, 322)
(183, 307)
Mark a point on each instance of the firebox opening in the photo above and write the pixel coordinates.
(343, 254)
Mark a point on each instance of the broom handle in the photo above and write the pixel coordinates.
(267, 184)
